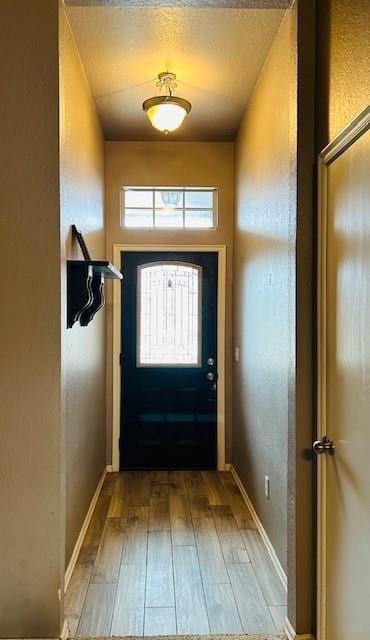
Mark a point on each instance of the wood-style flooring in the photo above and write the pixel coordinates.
(173, 552)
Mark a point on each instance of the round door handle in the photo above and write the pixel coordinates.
(210, 361)
(210, 376)
(323, 446)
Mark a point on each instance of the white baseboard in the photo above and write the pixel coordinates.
(109, 468)
(81, 535)
(270, 549)
(65, 634)
(292, 635)
(225, 467)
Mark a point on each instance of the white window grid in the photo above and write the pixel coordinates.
(182, 208)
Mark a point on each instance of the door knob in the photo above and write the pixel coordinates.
(323, 446)
(210, 361)
(210, 376)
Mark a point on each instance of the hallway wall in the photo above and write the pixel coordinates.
(264, 285)
(171, 164)
(83, 348)
(343, 53)
(31, 489)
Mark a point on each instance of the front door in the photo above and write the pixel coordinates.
(169, 360)
(344, 410)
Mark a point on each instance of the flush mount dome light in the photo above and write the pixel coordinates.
(167, 112)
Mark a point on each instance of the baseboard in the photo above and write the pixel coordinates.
(109, 468)
(81, 535)
(270, 549)
(65, 634)
(292, 635)
(225, 467)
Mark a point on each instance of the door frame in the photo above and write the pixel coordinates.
(339, 145)
(221, 337)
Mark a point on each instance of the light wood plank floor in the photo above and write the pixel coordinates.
(173, 552)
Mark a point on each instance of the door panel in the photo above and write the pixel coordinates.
(347, 337)
(169, 321)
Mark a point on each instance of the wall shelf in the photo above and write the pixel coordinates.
(107, 269)
(85, 285)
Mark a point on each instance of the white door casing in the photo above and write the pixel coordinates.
(221, 333)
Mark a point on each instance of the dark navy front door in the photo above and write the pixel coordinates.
(169, 360)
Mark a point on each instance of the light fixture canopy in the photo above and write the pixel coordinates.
(167, 112)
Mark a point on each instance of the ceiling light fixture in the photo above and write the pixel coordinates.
(166, 112)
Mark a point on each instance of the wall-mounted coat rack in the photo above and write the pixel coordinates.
(85, 284)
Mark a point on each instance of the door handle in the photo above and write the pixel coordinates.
(210, 376)
(323, 446)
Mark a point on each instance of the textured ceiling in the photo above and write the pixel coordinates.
(217, 55)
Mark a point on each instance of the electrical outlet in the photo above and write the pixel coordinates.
(237, 354)
(267, 487)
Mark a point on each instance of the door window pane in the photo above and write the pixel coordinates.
(169, 315)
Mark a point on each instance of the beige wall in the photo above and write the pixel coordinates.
(83, 348)
(31, 497)
(275, 173)
(171, 164)
(264, 330)
(343, 53)
(52, 381)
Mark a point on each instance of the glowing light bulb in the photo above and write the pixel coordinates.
(166, 117)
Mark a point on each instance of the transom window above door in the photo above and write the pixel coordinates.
(169, 207)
